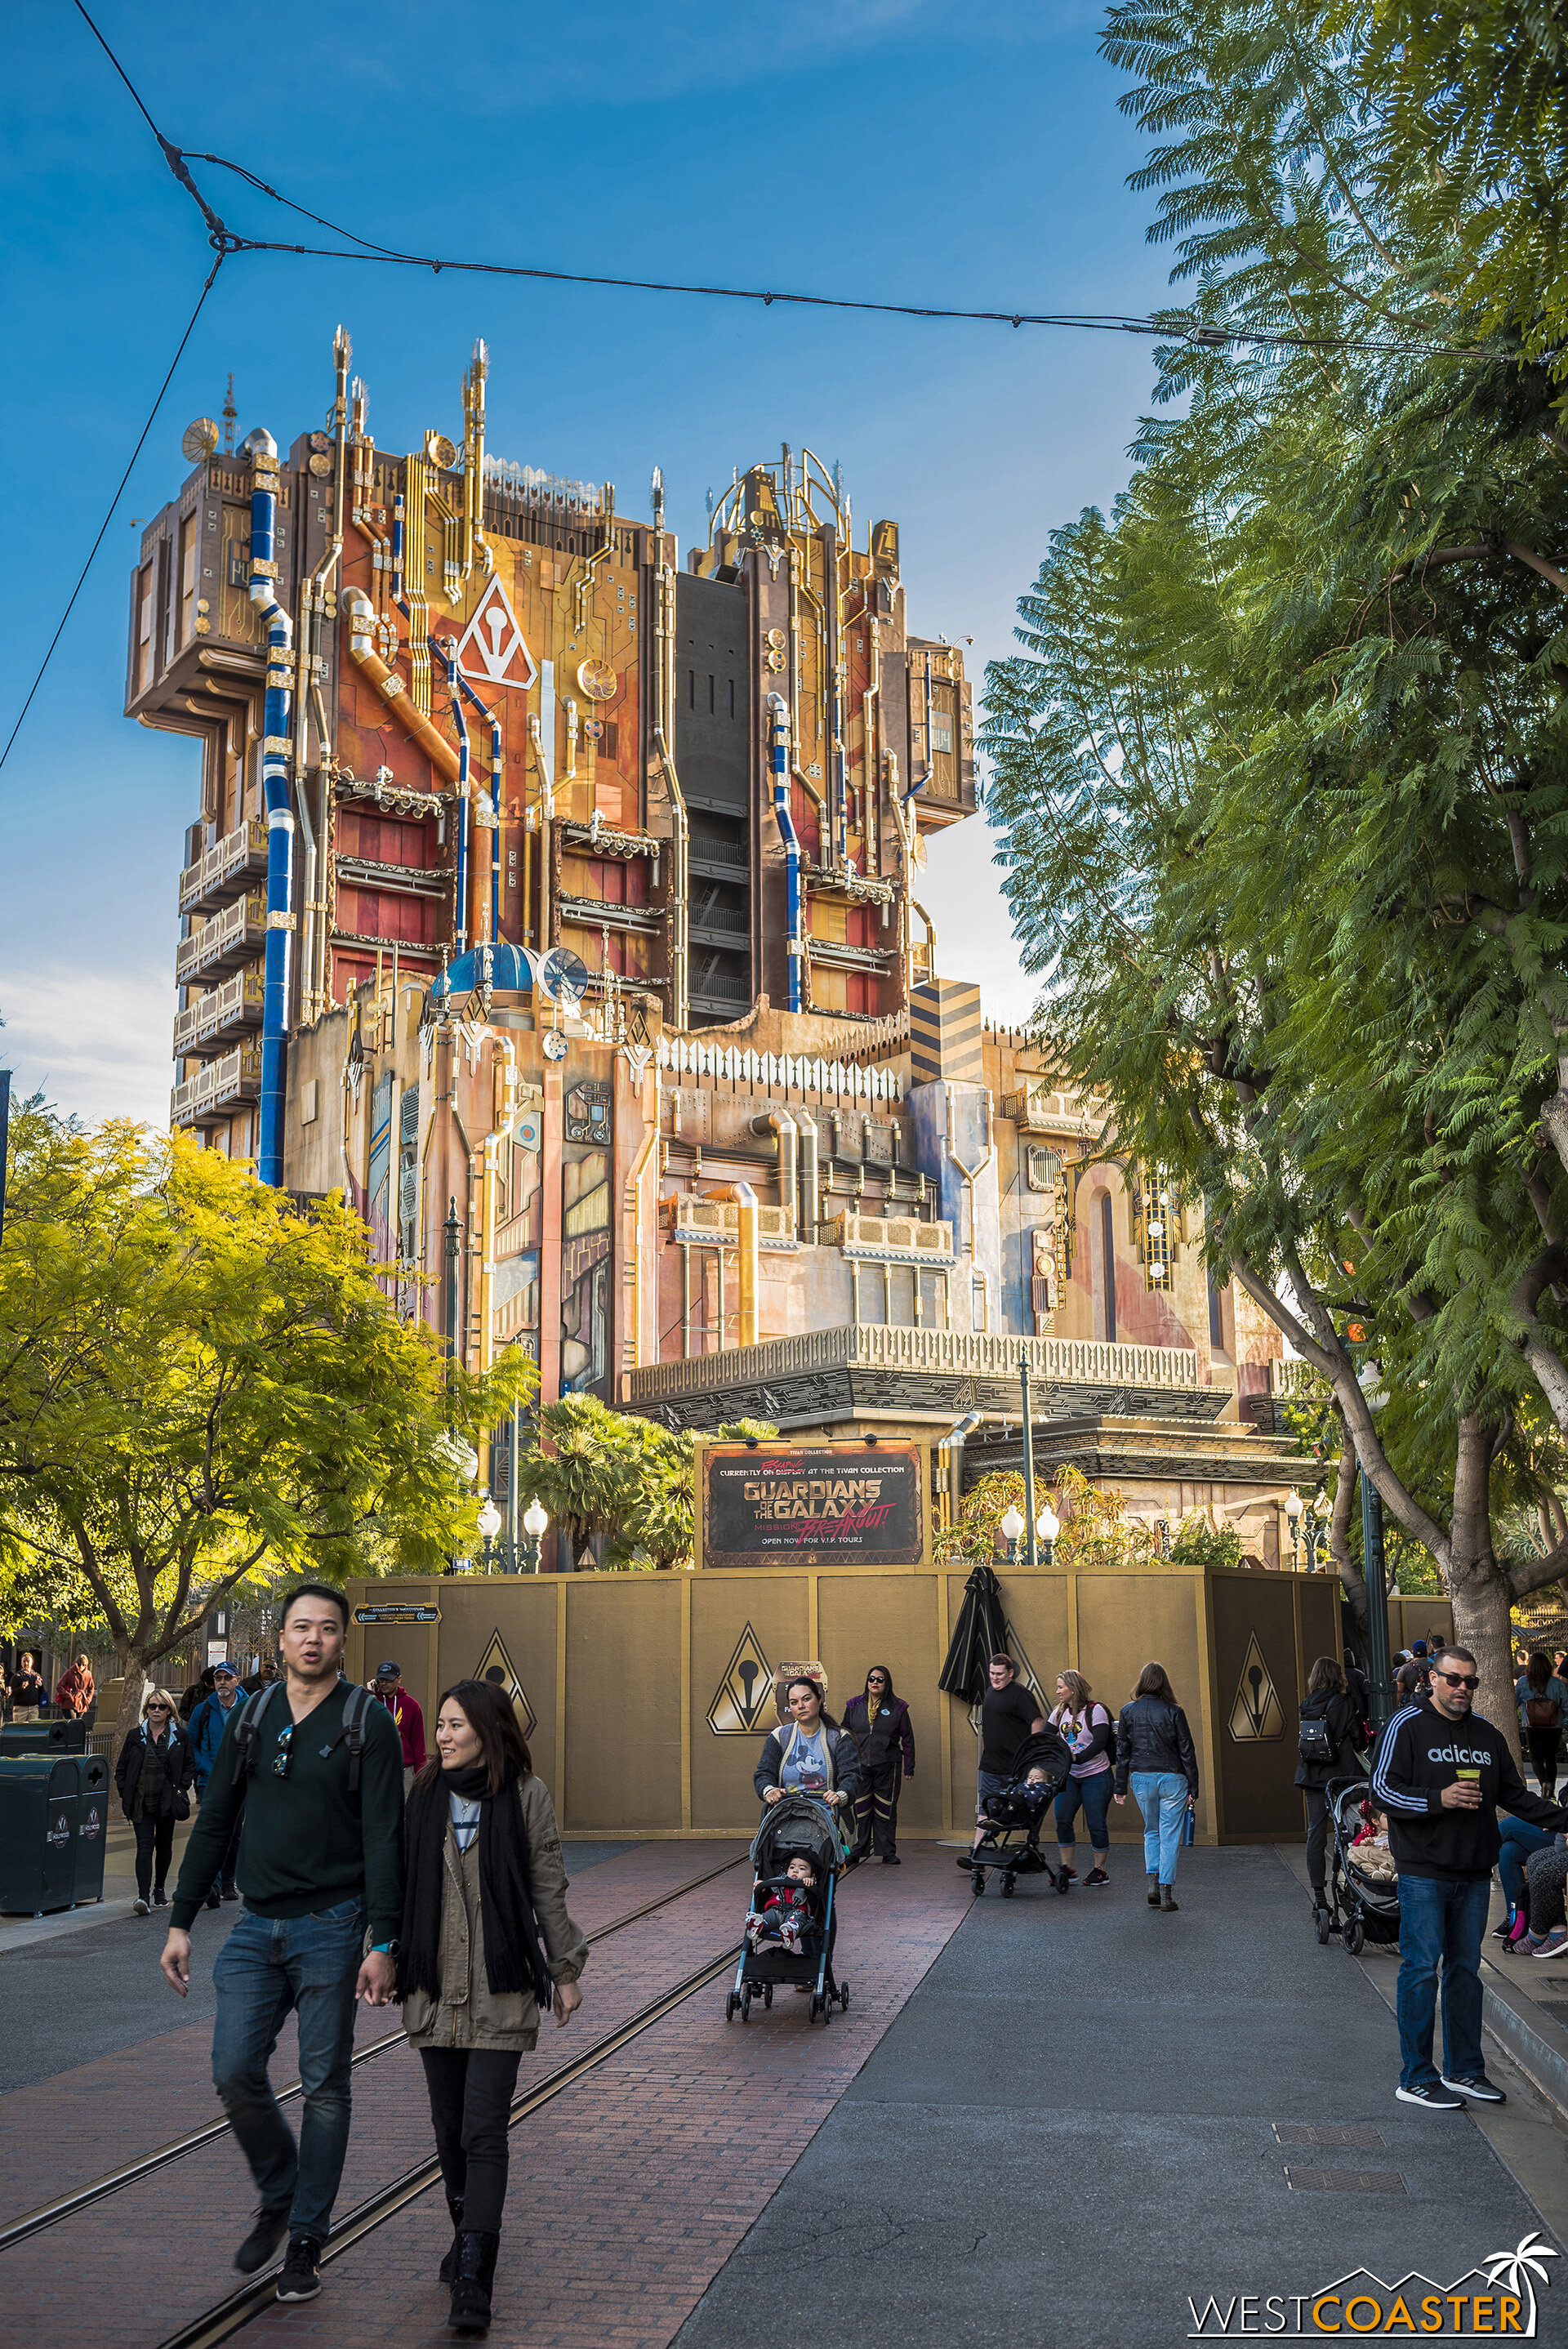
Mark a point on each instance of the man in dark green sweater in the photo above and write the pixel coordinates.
(321, 1873)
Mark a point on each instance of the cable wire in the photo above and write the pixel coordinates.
(119, 493)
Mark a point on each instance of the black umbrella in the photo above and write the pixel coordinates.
(980, 1633)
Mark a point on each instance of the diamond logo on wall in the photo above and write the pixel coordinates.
(495, 1660)
(737, 1709)
(1256, 1715)
(493, 645)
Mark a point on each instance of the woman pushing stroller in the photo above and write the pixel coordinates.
(810, 1754)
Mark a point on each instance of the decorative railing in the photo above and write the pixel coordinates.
(230, 938)
(716, 1223)
(689, 1056)
(222, 868)
(1066, 1362)
(237, 1077)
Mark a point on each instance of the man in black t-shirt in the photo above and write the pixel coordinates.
(1009, 1717)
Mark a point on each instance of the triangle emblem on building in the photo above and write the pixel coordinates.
(492, 649)
(1256, 1713)
(742, 1702)
(496, 1659)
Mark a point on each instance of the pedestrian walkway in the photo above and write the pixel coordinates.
(1074, 2125)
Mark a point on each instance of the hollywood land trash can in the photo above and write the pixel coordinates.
(65, 1735)
(39, 1802)
(92, 1827)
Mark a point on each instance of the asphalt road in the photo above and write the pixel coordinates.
(1069, 2130)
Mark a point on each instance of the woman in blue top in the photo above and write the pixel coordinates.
(810, 1754)
(1542, 1707)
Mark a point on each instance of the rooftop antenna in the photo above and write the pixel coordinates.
(230, 413)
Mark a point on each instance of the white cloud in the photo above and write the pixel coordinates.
(98, 1041)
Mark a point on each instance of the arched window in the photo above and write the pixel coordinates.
(1102, 1266)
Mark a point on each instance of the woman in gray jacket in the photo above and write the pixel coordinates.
(487, 1944)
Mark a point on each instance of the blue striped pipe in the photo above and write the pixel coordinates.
(781, 738)
(264, 455)
(497, 761)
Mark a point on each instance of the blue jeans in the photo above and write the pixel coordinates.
(1519, 1840)
(1162, 1796)
(1442, 1922)
(267, 1965)
(1094, 1794)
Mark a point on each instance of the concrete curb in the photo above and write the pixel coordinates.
(1538, 2045)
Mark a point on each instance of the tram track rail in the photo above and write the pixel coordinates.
(131, 2173)
(221, 2322)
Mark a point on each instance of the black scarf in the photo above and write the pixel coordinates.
(513, 1958)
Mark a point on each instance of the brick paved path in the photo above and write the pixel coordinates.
(175, 2234)
(628, 2192)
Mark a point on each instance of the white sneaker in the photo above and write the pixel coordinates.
(139, 1908)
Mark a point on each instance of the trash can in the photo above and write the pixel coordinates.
(92, 1827)
(64, 1736)
(39, 1796)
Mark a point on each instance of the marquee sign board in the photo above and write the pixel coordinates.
(397, 1614)
(814, 1505)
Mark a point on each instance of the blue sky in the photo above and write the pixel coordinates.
(911, 150)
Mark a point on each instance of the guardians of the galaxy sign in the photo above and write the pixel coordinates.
(844, 1505)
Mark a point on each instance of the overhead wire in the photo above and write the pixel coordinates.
(225, 241)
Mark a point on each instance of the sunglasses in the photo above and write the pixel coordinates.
(158, 1708)
(285, 1748)
(1459, 1680)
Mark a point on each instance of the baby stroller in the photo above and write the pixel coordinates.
(1011, 1844)
(1361, 1908)
(795, 1826)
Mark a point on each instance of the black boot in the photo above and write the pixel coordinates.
(448, 2268)
(471, 2311)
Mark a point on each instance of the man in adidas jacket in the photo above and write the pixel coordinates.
(1440, 1776)
(318, 1772)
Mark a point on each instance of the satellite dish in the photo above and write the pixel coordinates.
(554, 1044)
(564, 978)
(200, 439)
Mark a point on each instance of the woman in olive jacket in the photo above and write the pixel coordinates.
(487, 1945)
(1328, 1699)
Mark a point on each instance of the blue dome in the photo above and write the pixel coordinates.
(503, 968)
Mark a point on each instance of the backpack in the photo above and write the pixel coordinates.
(1317, 1739)
(248, 1730)
(1540, 1712)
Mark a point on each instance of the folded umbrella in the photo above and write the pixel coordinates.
(980, 1633)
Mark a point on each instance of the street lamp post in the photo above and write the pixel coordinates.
(1029, 1451)
(1047, 1525)
(534, 1522)
(489, 1526)
(1012, 1531)
(451, 1228)
(1293, 1509)
(1317, 1519)
(1380, 1649)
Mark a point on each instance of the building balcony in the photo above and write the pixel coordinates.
(1031, 1109)
(220, 871)
(890, 1240)
(723, 858)
(212, 1023)
(418, 880)
(716, 1223)
(223, 1086)
(593, 914)
(833, 955)
(234, 936)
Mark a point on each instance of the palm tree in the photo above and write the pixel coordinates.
(1519, 2270)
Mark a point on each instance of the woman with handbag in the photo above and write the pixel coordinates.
(1331, 1740)
(153, 1776)
(1542, 1707)
(487, 1948)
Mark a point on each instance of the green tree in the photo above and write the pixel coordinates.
(621, 1478)
(1281, 780)
(197, 1382)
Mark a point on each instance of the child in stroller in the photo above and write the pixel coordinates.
(1363, 1884)
(792, 1923)
(1039, 1771)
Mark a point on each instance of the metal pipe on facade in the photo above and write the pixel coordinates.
(746, 1199)
(498, 764)
(809, 1175)
(635, 1200)
(778, 714)
(929, 938)
(361, 619)
(835, 694)
(263, 457)
(680, 951)
(445, 651)
(780, 1122)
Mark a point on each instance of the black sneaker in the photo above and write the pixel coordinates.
(263, 2238)
(1500, 1932)
(1096, 1876)
(1436, 2094)
(231, 1891)
(299, 2279)
(1481, 2088)
(891, 1859)
(214, 1901)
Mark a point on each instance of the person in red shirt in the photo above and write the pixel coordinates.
(387, 1686)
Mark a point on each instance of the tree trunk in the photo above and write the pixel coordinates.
(1351, 1580)
(1478, 1587)
(132, 1688)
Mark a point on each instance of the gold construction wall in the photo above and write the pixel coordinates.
(625, 1676)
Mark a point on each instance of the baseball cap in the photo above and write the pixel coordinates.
(388, 1671)
(219, 1669)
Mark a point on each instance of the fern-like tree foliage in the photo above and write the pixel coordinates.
(1280, 774)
